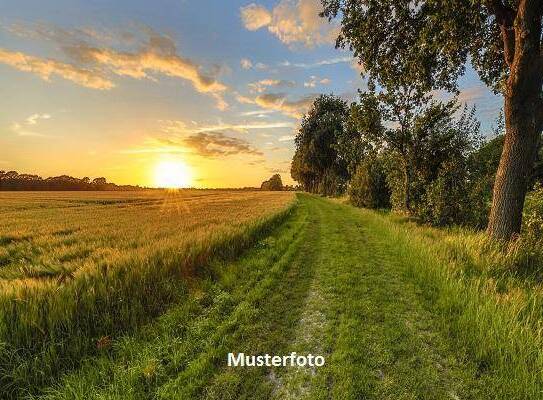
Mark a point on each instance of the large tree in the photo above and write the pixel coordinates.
(427, 43)
(317, 164)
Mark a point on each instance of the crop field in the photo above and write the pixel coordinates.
(77, 266)
(59, 235)
(143, 295)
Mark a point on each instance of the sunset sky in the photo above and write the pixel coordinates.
(116, 88)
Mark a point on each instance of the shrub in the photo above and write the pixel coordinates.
(368, 185)
(533, 213)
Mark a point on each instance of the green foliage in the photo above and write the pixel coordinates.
(331, 184)
(316, 164)
(533, 213)
(446, 200)
(368, 187)
(273, 184)
(443, 192)
(425, 45)
(364, 131)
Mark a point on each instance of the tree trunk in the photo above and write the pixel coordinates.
(523, 124)
(407, 185)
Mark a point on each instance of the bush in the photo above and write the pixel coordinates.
(533, 213)
(368, 185)
(446, 201)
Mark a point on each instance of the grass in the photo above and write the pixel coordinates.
(400, 311)
(80, 268)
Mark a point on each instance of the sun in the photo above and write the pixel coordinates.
(172, 175)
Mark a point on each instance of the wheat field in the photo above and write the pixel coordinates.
(76, 267)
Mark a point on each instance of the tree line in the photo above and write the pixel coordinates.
(12, 180)
(423, 156)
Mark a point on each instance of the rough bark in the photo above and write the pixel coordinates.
(523, 119)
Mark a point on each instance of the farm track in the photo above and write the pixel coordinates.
(322, 283)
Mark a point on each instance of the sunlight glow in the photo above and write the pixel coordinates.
(172, 175)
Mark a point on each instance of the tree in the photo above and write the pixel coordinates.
(317, 164)
(274, 183)
(364, 131)
(368, 186)
(409, 120)
(99, 181)
(427, 44)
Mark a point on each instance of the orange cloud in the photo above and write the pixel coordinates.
(158, 56)
(255, 17)
(46, 68)
(180, 127)
(279, 102)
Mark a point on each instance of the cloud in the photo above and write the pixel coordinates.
(314, 81)
(262, 85)
(292, 22)
(472, 94)
(181, 127)
(359, 68)
(487, 103)
(286, 138)
(34, 118)
(246, 63)
(329, 61)
(257, 113)
(255, 17)
(158, 56)
(259, 161)
(155, 54)
(261, 66)
(21, 128)
(279, 102)
(46, 68)
(213, 145)
(273, 170)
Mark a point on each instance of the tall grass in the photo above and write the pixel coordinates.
(49, 323)
(488, 295)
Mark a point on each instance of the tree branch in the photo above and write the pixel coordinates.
(505, 15)
(505, 18)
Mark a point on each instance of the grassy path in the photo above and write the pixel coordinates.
(323, 283)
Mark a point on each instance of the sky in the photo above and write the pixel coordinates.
(126, 88)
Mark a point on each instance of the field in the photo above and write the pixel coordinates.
(398, 310)
(76, 267)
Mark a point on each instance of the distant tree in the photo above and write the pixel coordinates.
(428, 43)
(12, 180)
(274, 183)
(317, 163)
(99, 181)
